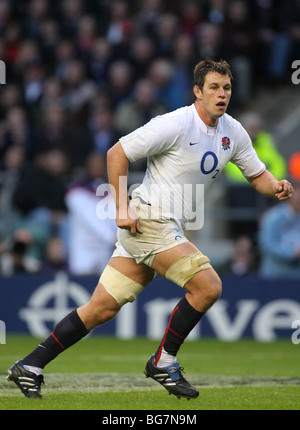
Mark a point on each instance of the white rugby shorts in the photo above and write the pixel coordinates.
(160, 233)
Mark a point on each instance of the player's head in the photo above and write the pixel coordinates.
(212, 89)
(208, 65)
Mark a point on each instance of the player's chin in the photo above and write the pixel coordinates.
(220, 110)
(219, 113)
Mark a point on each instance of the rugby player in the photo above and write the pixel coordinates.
(188, 146)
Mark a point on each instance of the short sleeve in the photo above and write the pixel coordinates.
(245, 157)
(155, 137)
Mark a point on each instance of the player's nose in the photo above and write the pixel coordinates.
(221, 93)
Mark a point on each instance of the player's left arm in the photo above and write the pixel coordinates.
(269, 186)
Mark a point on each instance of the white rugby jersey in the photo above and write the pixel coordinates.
(185, 156)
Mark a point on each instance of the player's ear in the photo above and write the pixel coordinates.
(197, 92)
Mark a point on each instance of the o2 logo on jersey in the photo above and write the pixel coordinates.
(209, 158)
(296, 74)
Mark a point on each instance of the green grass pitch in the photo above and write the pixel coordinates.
(105, 373)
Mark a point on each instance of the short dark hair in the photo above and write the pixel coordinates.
(209, 65)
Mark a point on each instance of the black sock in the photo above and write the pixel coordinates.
(67, 332)
(183, 319)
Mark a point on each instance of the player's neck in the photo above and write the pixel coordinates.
(208, 120)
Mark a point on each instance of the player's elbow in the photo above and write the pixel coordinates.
(116, 152)
(111, 154)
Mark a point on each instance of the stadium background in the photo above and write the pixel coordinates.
(81, 74)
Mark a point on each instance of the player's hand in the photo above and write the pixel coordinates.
(283, 190)
(129, 221)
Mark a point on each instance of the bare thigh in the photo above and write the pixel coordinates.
(139, 273)
(163, 260)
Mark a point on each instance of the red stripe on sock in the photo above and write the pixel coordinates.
(164, 338)
(182, 337)
(55, 338)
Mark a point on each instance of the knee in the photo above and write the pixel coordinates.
(103, 312)
(205, 289)
(97, 312)
(214, 289)
(96, 316)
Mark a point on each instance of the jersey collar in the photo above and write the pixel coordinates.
(205, 128)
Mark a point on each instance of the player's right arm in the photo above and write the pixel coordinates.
(117, 169)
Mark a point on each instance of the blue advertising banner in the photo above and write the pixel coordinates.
(249, 307)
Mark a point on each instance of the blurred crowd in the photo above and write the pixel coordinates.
(79, 75)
